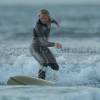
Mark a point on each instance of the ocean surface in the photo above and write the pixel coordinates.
(79, 33)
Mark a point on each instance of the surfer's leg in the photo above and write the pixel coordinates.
(39, 56)
(51, 59)
(52, 63)
(42, 73)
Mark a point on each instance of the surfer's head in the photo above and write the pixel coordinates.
(44, 16)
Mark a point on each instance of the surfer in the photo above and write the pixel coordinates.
(40, 43)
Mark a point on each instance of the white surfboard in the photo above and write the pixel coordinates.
(26, 80)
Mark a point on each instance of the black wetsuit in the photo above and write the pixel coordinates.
(40, 44)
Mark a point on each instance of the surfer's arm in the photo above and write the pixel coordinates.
(54, 21)
(42, 38)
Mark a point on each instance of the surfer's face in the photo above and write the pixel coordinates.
(44, 18)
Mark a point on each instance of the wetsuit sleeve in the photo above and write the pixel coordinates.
(42, 38)
(54, 21)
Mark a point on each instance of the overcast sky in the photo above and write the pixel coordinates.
(48, 1)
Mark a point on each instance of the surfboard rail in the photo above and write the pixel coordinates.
(27, 80)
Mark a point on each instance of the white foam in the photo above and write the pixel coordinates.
(72, 72)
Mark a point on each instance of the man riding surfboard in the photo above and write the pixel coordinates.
(40, 44)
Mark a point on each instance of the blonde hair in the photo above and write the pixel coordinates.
(45, 12)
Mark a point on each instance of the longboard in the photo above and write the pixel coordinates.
(27, 80)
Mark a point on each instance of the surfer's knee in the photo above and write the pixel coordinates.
(54, 66)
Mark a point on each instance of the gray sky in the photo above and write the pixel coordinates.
(48, 1)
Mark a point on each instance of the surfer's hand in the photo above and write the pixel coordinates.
(58, 45)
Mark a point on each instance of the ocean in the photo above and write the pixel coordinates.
(79, 59)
